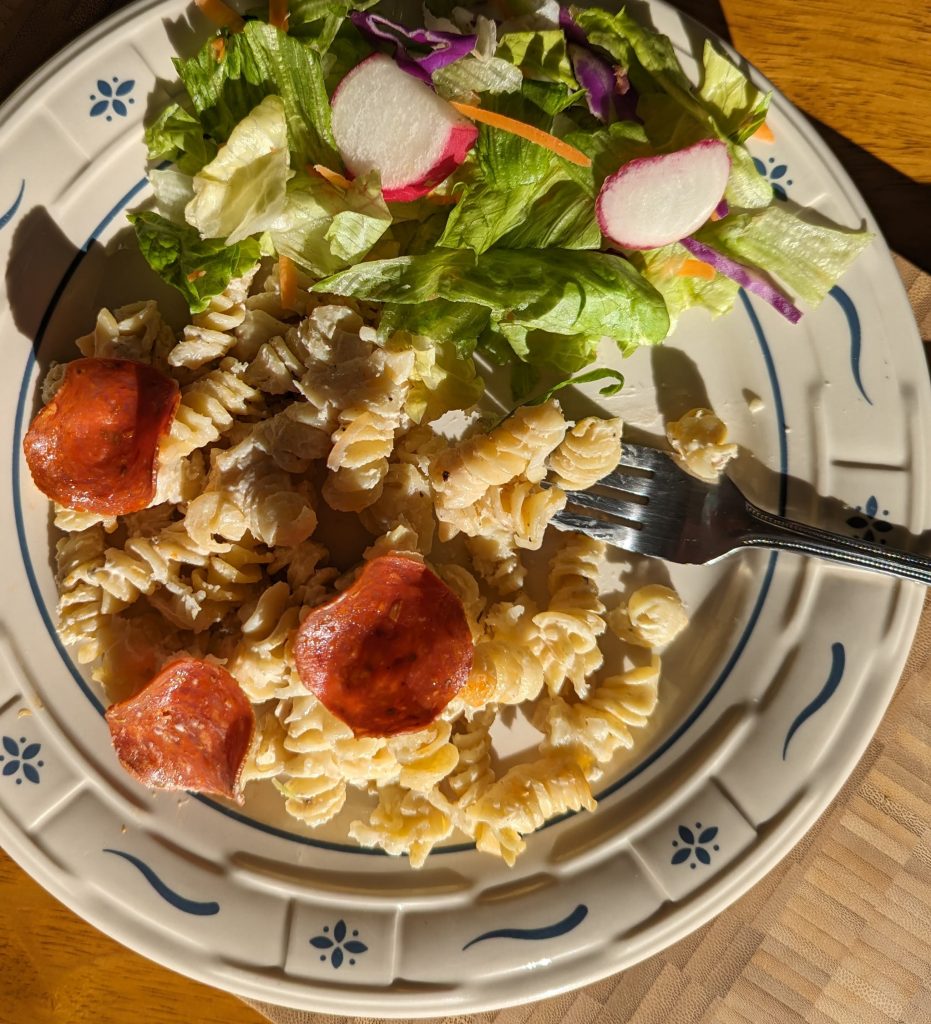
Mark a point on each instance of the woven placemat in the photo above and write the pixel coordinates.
(838, 933)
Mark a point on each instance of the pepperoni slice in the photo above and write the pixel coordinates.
(189, 728)
(94, 447)
(389, 653)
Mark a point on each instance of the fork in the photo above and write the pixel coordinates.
(650, 506)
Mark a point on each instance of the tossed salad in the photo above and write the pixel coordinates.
(521, 181)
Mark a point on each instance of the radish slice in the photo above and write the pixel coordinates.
(388, 121)
(655, 200)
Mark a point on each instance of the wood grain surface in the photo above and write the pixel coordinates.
(853, 943)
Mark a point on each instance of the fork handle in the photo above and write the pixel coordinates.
(767, 530)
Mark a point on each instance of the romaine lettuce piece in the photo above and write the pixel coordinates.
(242, 191)
(198, 268)
(551, 290)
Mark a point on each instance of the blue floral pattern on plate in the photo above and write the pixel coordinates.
(337, 945)
(695, 844)
(19, 761)
(775, 174)
(868, 524)
(113, 96)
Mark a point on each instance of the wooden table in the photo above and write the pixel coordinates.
(863, 72)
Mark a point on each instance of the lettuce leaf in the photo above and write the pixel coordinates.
(539, 55)
(727, 104)
(442, 378)
(681, 292)
(806, 258)
(325, 229)
(178, 136)
(242, 191)
(258, 62)
(199, 269)
(562, 218)
(554, 291)
(476, 74)
(173, 191)
(735, 103)
(459, 323)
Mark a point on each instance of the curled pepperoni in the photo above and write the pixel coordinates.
(389, 653)
(94, 447)
(189, 728)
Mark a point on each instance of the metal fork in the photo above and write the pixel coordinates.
(650, 506)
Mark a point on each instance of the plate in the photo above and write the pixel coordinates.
(767, 701)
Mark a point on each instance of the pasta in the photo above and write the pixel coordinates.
(653, 616)
(568, 631)
(134, 332)
(288, 418)
(597, 726)
(522, 800)
(404, 822)
(588, 453)
(210, 335)
(81, 619)
(517, 448)
(699, 441)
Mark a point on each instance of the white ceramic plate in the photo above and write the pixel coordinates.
(766, 702)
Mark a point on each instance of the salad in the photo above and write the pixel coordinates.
(519, 183)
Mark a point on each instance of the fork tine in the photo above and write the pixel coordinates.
(619, 480)
(632, 511)
(641, 457)
(625, 537)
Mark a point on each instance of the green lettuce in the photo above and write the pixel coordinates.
(539, 55)
(324, 229)
(459, 323)
(198, 268)
(178, 136)
(562, 218)
(242, 191)
(806, 258)
(442, 379)
(469, 75)
(255, 63)
(581, 295)
(735, 103)
(727, 104)
(681, 292)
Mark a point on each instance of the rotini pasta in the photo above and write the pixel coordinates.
(285, 416)
(404, 822)
(594, 728)
(699, 440)
(588, 453)
(517, 448)
(566, 642)
(134, 332)
(653, 616)
(211, 334)
(522, 800)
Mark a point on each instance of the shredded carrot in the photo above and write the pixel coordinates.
(218, 46)
(696, 268)
(221, 15)
(278, 14)
(196, 275)
(333, 177)
(525, 131)
(715, 215)
(287, 282)
(764, 133)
